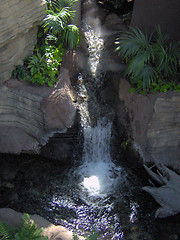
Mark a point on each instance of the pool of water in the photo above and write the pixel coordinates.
(41, 186)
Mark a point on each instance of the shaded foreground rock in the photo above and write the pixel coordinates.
(168, 195)
(14, 218)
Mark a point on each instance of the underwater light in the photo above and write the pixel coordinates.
(91, 183)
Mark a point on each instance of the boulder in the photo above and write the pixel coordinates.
(58, 107)
(18, 32)
(163, 133)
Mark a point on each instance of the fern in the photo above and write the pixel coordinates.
(6, 231)
(27, 231)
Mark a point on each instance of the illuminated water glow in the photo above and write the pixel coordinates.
(92, 183)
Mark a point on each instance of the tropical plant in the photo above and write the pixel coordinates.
(44, 68)
(27, 231)
(149, 58)
(56, 23)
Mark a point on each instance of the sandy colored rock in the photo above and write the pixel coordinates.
(18, 32)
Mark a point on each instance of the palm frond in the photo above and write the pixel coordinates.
(137, 64)
(29, 230)
(148, 76)
(51, 24)
(59, 4)
(133, 42)
(159, 37)
(65, 14)
(54, 23)
(72, 36)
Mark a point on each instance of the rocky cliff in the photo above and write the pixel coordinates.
(18, 32)
(29, 114)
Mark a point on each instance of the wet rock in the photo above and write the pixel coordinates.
(113, 22)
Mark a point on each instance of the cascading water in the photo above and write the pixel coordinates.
(97, 166)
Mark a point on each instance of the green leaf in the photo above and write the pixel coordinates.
(72, 36)
(131, 90)
(132, 43)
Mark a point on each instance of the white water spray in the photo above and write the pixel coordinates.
(97, 167)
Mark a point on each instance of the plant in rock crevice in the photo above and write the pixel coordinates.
(150, 59)
(54, 36)
(42, 67)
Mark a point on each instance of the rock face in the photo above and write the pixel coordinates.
(30, 114)
(20, 116)
(154, 121)
(18, 31)
(163, 133)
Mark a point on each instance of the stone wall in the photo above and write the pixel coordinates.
(18, 32)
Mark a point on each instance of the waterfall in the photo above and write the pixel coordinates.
(97, 166)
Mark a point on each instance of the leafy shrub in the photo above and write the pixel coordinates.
(27, 231)
(150, 59)
(42, 67)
